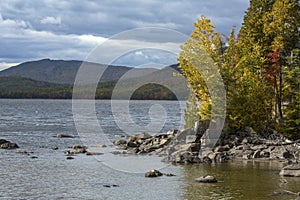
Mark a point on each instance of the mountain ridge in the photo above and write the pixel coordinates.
(65, 71)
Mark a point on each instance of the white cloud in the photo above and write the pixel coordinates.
(51, 20)
(4, 65)
(20, 42)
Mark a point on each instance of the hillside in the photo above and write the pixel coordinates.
(140, 83)
(18, 87)
(63, 72)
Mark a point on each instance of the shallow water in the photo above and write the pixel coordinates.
(33, 123)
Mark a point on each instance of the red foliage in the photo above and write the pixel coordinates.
(273, 66)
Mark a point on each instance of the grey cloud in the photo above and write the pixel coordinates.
(70, 29)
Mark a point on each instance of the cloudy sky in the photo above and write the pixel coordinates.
(62, 29)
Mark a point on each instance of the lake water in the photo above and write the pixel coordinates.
(33, 123)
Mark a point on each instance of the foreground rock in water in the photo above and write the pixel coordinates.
(206, 179)
(64, 136)
(291, 170)
(5, 144)
(153, 173)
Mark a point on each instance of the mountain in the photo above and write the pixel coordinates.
(64, 72)
(54, 79)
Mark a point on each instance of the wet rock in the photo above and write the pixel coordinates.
(169, 174)
(153, 173)
(132, 144)
(288, 155)
(118, 152)
(69, 158)
(79, 148)
(221, 157)
(5, 144)
(68, 152)
(206, 179)
(291, 170)
(110, 185)
(33, 157)
(64, 136)
(206, 160)
(54, 147)
(23, 152)
(93, 153)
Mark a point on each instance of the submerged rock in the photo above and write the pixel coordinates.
(291, 170)
(169, 174)
(206, 179)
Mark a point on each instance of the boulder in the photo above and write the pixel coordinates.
(291, 170)
(153, 173)
(206, 160)
(5, 144)
(79, 148)
(132, 144)
(206, 179)
(221, 148)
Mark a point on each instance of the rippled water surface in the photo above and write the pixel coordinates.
(32, 124)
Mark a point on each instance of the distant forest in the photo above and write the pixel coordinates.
(17, 87)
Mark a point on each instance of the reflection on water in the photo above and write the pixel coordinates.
(239, 180)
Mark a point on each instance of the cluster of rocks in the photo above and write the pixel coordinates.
(155, 173)
(203, 179)
(79, 149)
(5, 144)
(188, 146)
(191, 145)
(145, 143)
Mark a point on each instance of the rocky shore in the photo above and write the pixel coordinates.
(188, 146)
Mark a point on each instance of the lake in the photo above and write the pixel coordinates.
(33, 125)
